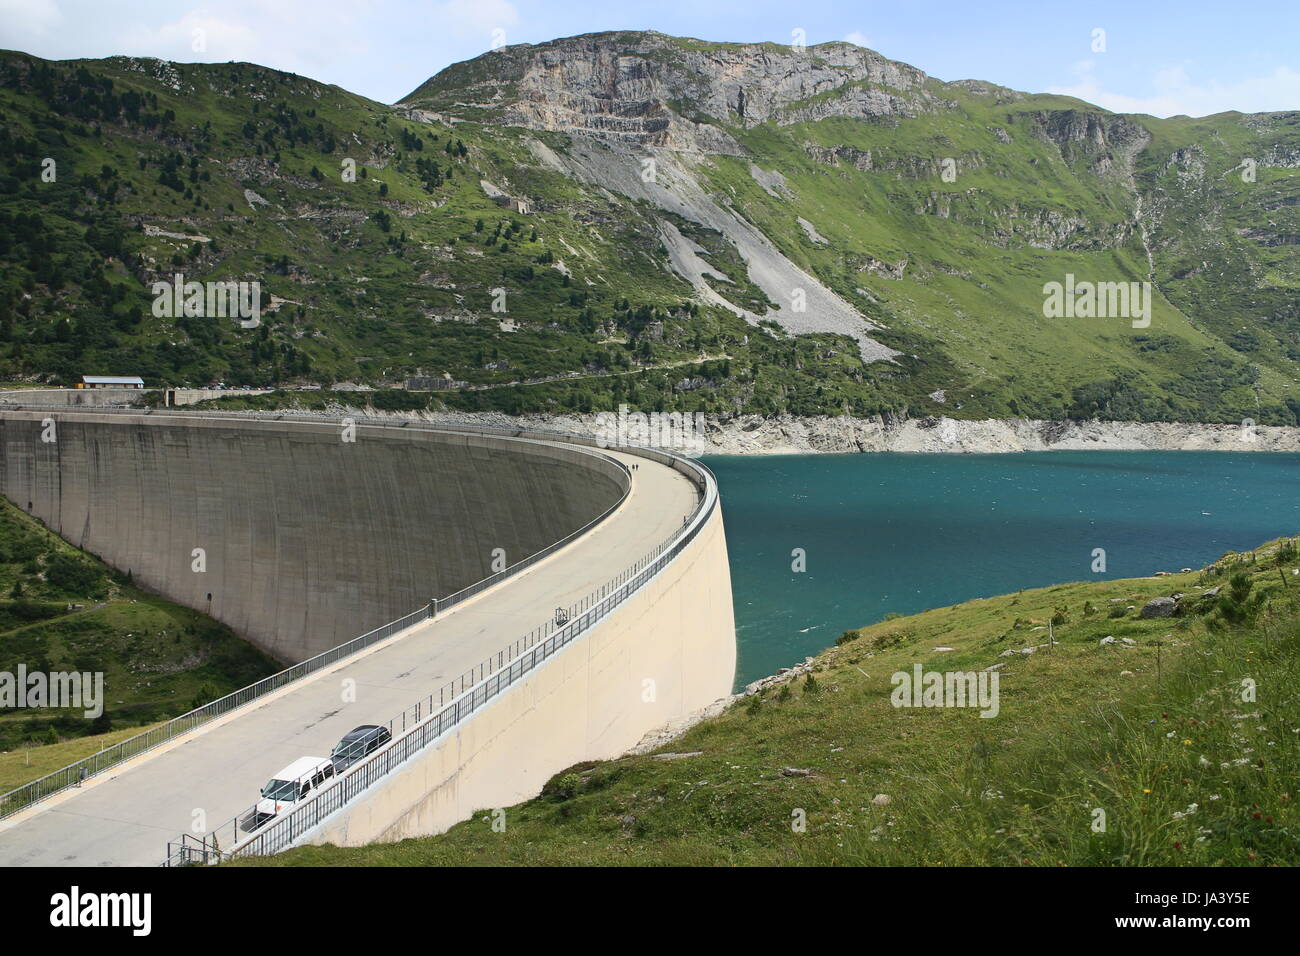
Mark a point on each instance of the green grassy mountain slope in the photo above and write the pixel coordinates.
(1181, 731)
(702, 226)
(63, 611)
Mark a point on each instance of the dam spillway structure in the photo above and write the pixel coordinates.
(313, 530)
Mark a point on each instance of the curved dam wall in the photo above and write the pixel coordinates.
(309, 540)
(667, 651)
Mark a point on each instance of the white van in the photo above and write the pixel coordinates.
(296, 782)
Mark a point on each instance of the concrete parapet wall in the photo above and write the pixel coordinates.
(309, 541)
(74, 397)
(92, 397)
(669, 650)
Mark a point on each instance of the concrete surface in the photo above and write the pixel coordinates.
(126, 817)
(669, 650)
(74, 397)
(308, 540)
(92, 397)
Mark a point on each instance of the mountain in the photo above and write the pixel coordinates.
(671, 223)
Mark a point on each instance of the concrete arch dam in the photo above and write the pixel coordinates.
(655, 568)
(306, 540)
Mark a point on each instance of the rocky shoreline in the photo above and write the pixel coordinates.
(790, 435)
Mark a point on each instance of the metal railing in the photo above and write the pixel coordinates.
(423, 723)
(74, 774)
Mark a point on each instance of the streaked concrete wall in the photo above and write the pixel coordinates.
(177, 397)
(77, 397)
(309, 540)
(91, 397)
(589, 702)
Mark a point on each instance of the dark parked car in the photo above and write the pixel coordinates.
(356, 743)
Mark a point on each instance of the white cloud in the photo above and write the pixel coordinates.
(30, 17)
(299, 36)
(857, 38)
(469, 17)
(1174, 92)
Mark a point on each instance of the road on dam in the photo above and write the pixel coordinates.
(126, 817)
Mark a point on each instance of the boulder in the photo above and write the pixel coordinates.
(1158, 607)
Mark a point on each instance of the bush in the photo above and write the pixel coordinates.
(1236, 607)
(896, 638)
(847, 636)
(563, 786)
(73, 575)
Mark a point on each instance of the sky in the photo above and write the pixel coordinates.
(1145, 56)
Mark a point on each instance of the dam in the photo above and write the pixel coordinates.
(306, 538)
(310, 538)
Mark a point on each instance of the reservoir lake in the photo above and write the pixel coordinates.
(901, 533)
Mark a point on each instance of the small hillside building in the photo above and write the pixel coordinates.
(111, 381)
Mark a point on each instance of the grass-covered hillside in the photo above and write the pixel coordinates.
(926, 216)
(61, 611)
(1130, 741)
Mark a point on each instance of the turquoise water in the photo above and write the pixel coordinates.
(904, 533)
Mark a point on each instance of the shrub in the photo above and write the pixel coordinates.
(1236, 606)
(564, 786)
(73, 575)
(896, 638)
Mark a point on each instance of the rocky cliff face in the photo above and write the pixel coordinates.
(657, 90)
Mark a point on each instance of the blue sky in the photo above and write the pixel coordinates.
(1194, 57)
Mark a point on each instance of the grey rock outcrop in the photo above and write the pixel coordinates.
(1158, 607)
(667, 91)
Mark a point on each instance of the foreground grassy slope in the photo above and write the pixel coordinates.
(1154, 733)
(62, 610)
